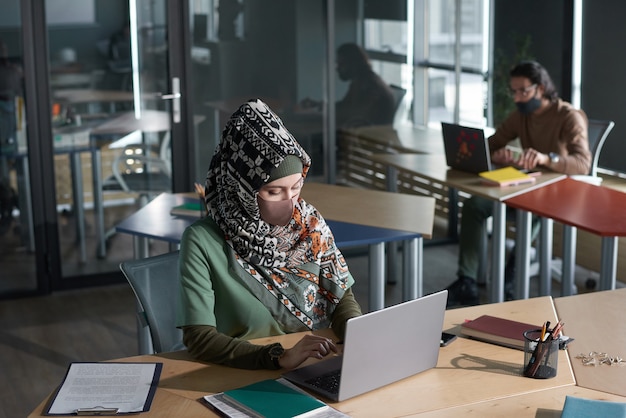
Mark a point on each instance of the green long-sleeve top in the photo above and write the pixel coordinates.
(218, 314)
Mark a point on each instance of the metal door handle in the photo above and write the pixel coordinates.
(174, 96)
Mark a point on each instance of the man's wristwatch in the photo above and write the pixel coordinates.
(554, 158)
(276, 352)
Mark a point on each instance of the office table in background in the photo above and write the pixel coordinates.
(354, 225)
(576, 204)
(434, 168)
(90, 97)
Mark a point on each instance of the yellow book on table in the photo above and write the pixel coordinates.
(507, 176)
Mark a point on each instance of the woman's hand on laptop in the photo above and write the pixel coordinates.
(310, 345)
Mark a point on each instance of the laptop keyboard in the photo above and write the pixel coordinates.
(328, 382)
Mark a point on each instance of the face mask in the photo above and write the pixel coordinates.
(529, 106)
(277, 213)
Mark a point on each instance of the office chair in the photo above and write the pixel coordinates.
(142, 170)
(154, 281)
(597, 132)
(398, 95)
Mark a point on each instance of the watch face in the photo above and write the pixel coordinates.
(554, 157)
(276, 351)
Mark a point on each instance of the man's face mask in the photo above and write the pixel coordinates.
(277, 213)
(529, 106)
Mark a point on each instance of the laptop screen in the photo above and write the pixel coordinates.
(466, 148)
(382, 347)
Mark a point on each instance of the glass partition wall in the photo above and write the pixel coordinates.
(112, 87)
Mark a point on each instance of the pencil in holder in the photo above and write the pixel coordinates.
(541, 357)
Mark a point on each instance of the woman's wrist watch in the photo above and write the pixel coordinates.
(276, 351)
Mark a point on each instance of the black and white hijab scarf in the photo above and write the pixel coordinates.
(295, 270)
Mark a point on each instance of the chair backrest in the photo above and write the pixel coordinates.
(597, 132)
(154, 281)
(398, 95)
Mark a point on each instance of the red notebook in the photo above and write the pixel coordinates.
(498, 331)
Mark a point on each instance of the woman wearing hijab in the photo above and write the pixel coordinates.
(263, 262)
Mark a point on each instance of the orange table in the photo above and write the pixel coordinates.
(577, 204)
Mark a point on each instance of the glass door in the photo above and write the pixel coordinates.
(17, 238)
(111, 125)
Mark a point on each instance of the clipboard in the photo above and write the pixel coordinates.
(105, 388)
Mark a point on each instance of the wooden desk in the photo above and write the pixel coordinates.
(434, 168)
(577, 204)
(91, 96)
(595, 321)
(469, 374)
(373, 208)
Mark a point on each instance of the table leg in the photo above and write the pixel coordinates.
(79, 208)
(140, 247)
(522, 254)
(392, 247)
(497, 259)
(377, 276)
(569, 258)
(608, 264)
(98, 201)
(453, 213)
(27, 229)
(392, 262)
(413, 280)
(545, 257)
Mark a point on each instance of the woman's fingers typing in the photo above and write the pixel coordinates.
(310, 346)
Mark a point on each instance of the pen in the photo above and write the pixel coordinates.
(546, 327)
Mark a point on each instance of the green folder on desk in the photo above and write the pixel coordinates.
(272, 399)
(192, 208)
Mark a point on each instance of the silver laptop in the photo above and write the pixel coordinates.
(466, 148)
(380, 348)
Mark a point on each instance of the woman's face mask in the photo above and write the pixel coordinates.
(277, 213)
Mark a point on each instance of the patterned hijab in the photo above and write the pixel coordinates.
(296, 270)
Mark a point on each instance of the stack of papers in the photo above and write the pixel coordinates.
(106, 389)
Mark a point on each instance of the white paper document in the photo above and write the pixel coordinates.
(107, 388)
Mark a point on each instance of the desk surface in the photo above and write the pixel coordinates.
(595, 321)
(468, 372)
(154, 221)
(336, 203)
(379, 209)
(595, 209)
(151, 121)
(91, 95)
(433, 167)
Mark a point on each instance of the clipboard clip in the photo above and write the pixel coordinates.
(96, 411)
